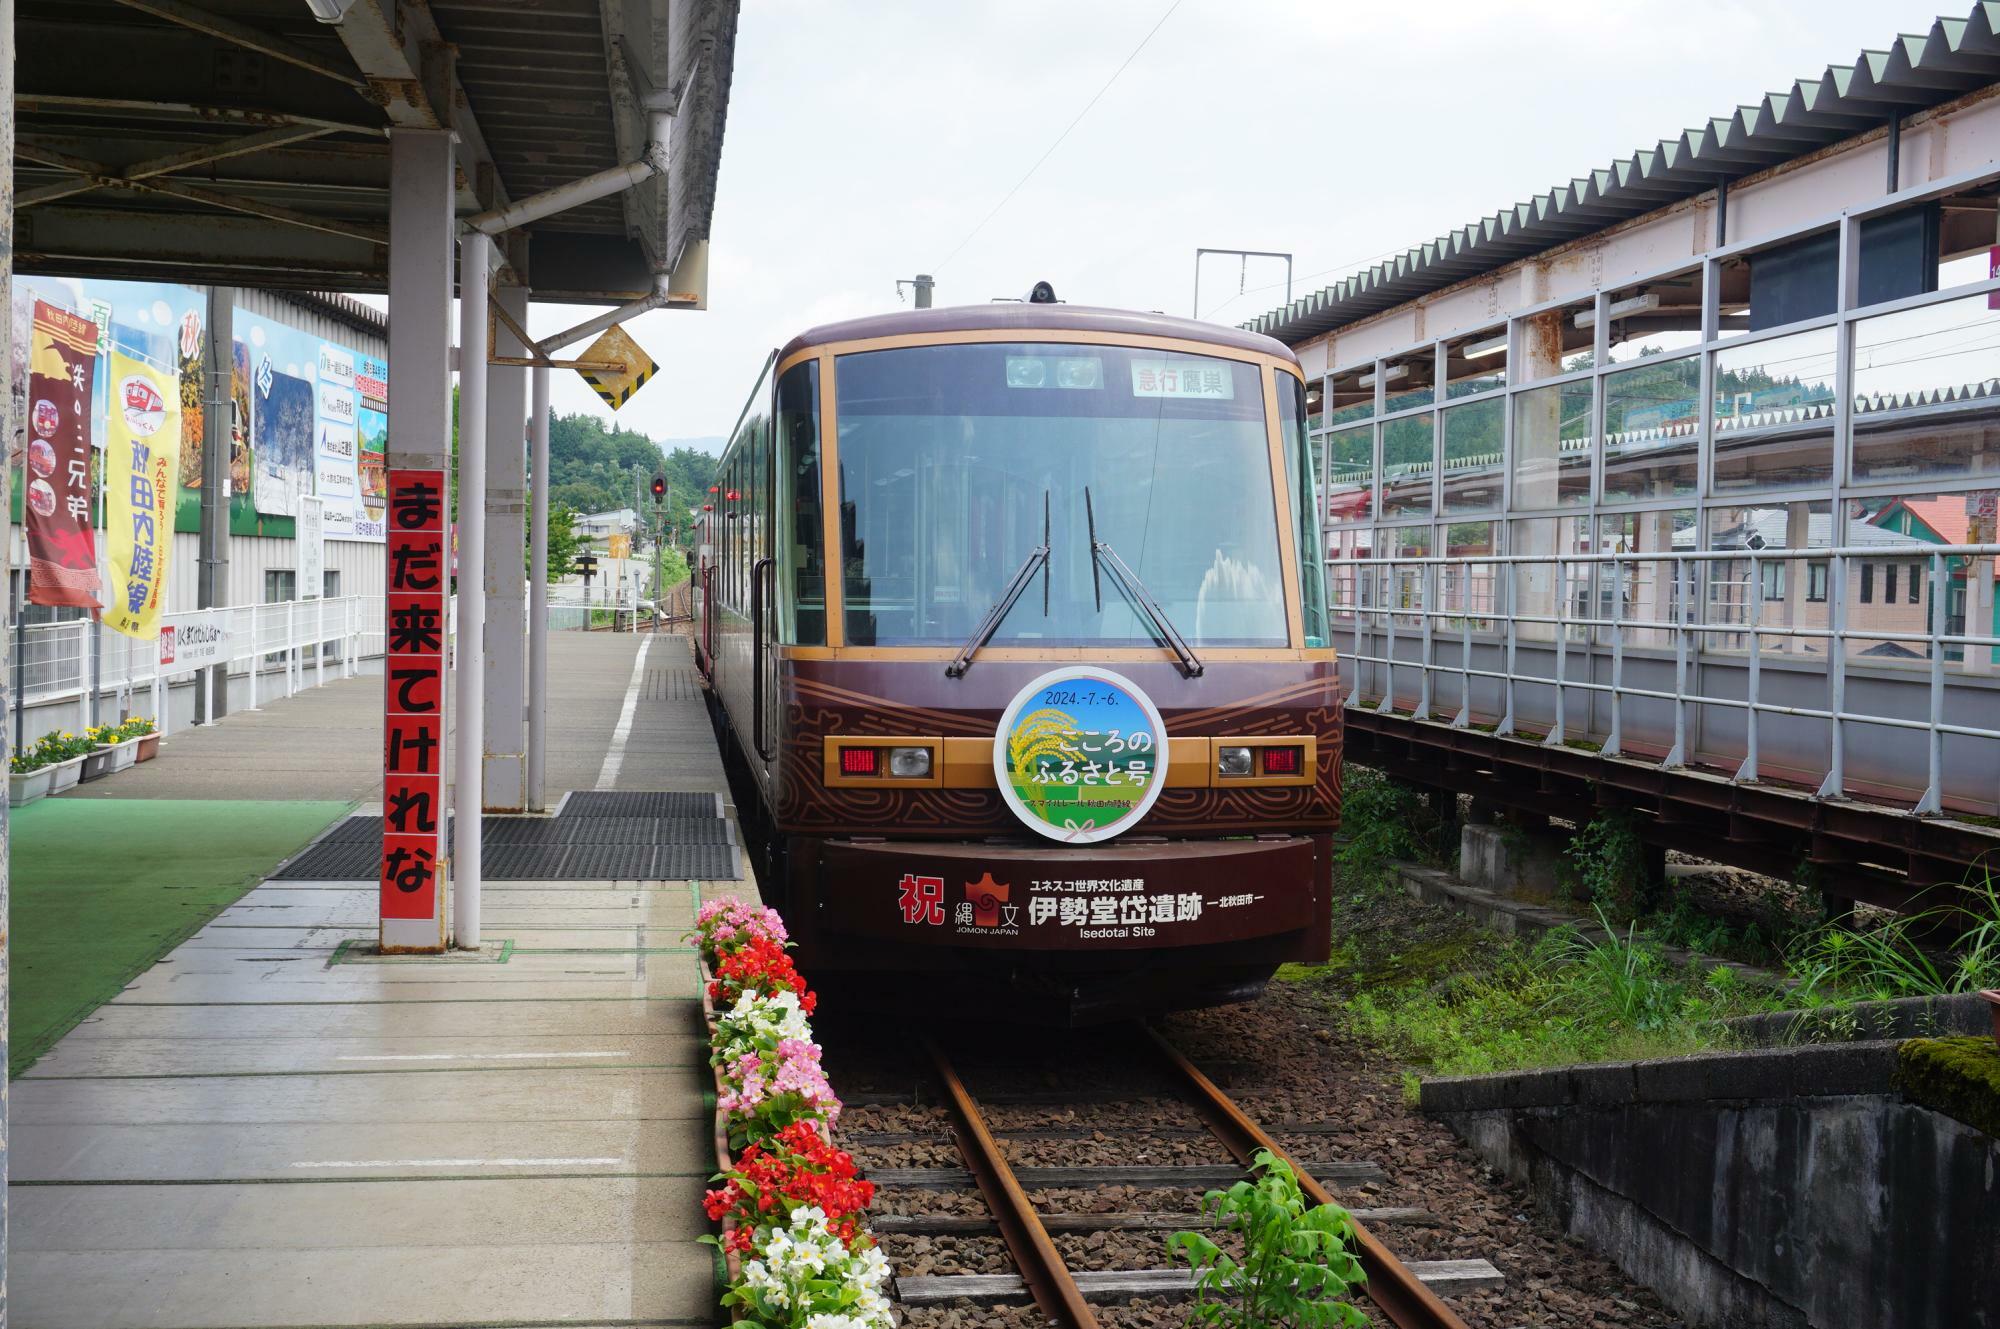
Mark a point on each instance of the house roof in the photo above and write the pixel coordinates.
(1914, 72)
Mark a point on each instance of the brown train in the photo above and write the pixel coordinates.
(1061, 713)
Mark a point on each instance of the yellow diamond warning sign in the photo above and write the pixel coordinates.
(617, 347)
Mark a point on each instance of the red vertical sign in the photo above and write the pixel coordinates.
(62, 548)
(413, 737)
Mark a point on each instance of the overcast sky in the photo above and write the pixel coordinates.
(866, 141)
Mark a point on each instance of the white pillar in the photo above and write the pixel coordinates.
(538, 591)
(474, 258)
(506, 576)
(422, 179)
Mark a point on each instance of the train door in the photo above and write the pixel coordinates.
(768, 517)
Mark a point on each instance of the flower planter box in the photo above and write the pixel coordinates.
(724, 1160)
(66, 774)
(148, 746)
(96, 764)
(24, 787)
(1992, 996)
(124, 755)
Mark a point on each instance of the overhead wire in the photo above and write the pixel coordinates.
(1008, 196)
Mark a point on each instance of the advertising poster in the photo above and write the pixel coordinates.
(281, 439)
(307, 401)
(142, 457)
(372, 458)
(62, 376)
(161, 323)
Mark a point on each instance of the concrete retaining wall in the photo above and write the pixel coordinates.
(1785, 1187)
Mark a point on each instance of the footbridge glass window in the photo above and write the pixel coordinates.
(1547, 589)
(1474, 477)
(1644, 590)
(1908, 523)
(1653, 318)
(1774, 408)
(1348, 584)
(950, 455)
(1350, 474)
(1552, 446)
(1927, 393)
(1762, 536)
(1408, 447)
(1652, 430)
(1475, 363)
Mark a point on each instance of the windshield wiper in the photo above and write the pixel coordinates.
(1038, 557)
(1101, 553)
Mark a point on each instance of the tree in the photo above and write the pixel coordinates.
(564, 542)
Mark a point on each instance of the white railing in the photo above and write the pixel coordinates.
(1694, 609)
(296, 640)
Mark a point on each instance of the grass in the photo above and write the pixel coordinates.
(1472, 1002)
(1449, 997)
(101, 888)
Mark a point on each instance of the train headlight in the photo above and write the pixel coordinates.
(1232, 761)
(909, 763)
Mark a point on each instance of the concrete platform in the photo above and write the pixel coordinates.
(273, 1127)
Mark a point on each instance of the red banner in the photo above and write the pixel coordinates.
(62, 547)
(413, 752)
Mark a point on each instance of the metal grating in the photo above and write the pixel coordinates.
(610, 803)
(336, 860)
(630, 836)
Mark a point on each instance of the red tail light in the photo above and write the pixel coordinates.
(857, 761)
(1281, 761)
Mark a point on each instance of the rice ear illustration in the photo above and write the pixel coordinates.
(1048, 732)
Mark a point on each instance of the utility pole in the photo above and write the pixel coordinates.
(921, 286)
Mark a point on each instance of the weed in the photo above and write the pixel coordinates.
(1382, 821)
(1607, 865)
(1296, 1258)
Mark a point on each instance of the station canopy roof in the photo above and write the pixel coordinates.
(1915, 72)
(244, 142)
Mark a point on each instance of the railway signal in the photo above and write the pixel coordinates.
(659, 487)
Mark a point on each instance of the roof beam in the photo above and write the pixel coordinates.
(241, 34)
(409, 68)
(168, 164)
(30, 101)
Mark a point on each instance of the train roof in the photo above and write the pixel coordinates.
(1004, 316)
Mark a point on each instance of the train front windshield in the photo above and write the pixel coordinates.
(951, 454)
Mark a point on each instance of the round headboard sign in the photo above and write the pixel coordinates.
(1081, 754)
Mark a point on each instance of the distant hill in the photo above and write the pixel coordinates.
(709, 443)
(592, 464)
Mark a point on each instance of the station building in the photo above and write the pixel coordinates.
(1774, 334)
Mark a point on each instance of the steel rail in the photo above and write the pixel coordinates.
(1391, 1286)
(1047, 1277)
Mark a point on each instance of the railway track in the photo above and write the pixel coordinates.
(1405, 1295)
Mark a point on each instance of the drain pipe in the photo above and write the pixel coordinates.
(601, 184)
(660, 298)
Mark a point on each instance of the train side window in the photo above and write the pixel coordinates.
(1305, 507)
(801, 557)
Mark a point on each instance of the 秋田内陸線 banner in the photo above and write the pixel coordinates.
(141, 461)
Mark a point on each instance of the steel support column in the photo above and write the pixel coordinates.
(538, 591)
(506, 577)
(211, 693)
(475, 258)
(421, 184)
